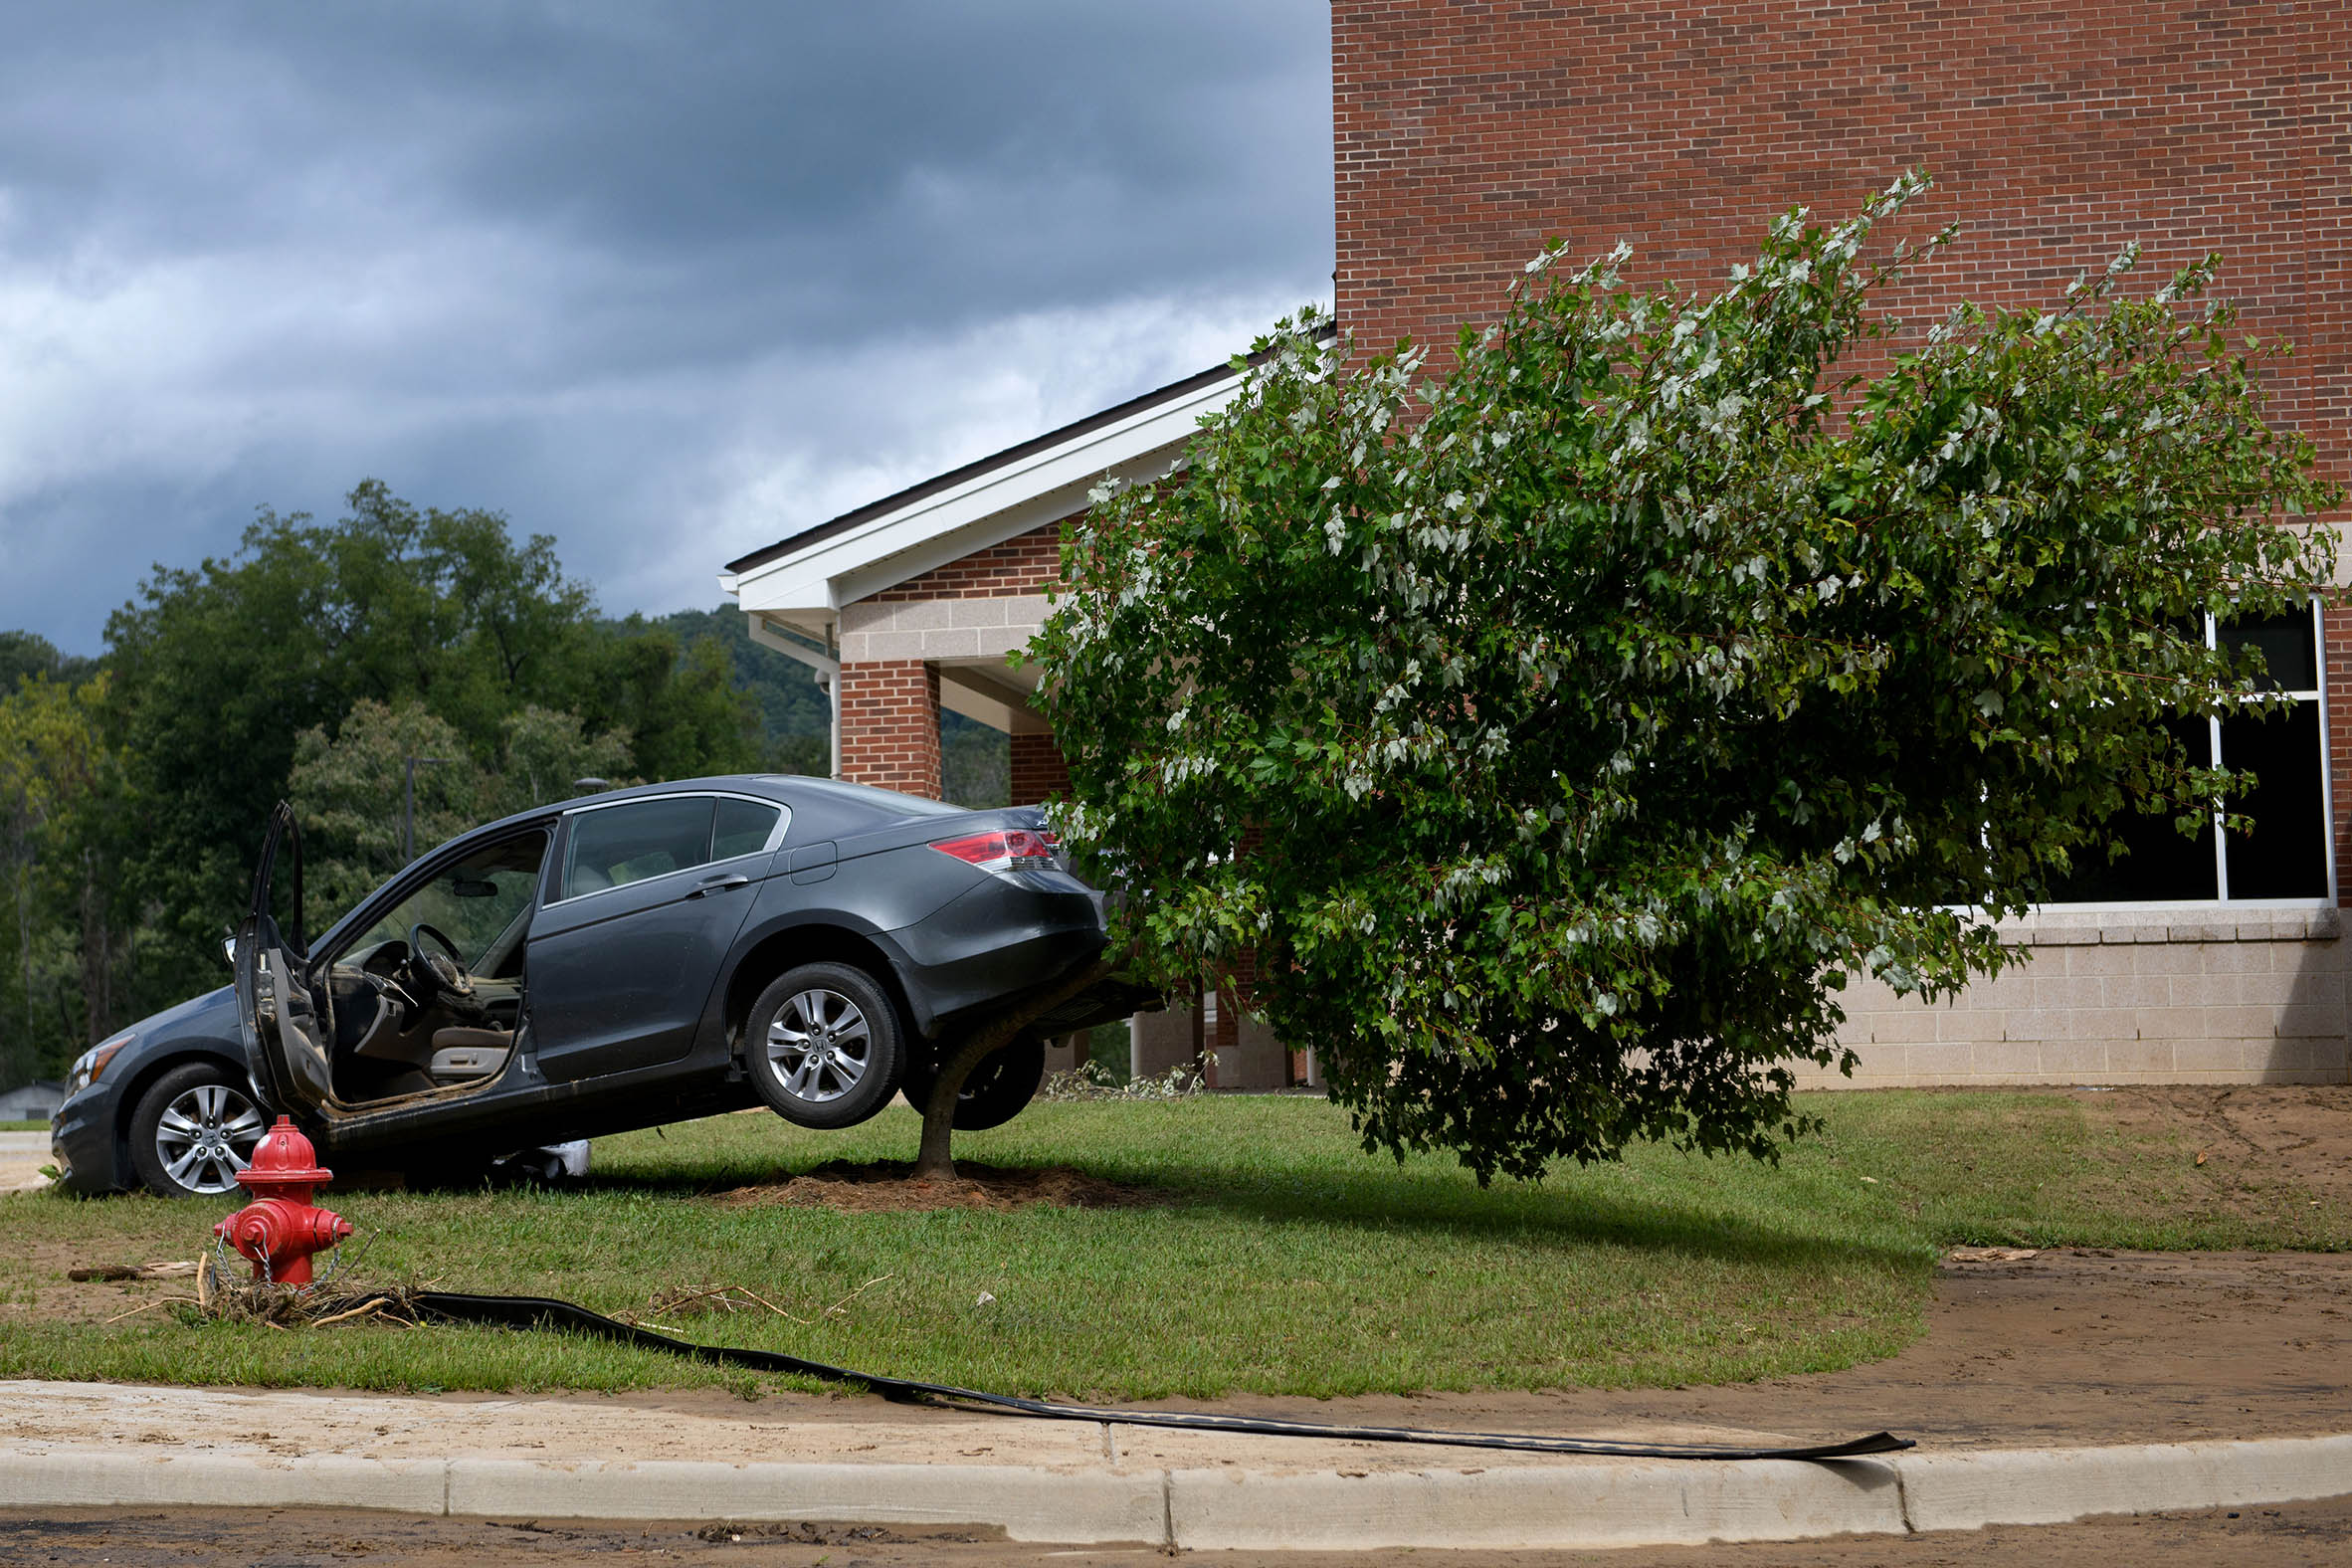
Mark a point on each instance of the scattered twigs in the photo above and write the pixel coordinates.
(854, 1295)
(84, 1273)
(147, 1306)
(770, 1305)
(223, 1297)
(715, 1295)
(695, 1301)
(366, 1308)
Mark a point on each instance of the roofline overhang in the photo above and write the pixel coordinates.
(804, 579)
(879, 548)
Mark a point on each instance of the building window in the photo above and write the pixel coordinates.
(2287, 855)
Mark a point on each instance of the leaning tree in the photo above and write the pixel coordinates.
(1545, 742)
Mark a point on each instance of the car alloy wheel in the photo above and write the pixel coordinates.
(193, 1132)
(206, 1136)
(821, 1045)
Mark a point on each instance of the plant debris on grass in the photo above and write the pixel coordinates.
(305, 1306)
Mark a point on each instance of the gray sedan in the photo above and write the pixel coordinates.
(613, 962)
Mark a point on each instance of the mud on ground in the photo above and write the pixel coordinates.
(889, 1187)
(2251, 1135)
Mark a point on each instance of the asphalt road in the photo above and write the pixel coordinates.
(22, 1154)
(2288, 1535)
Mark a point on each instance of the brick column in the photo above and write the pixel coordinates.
(1038, 770)
(889, 725)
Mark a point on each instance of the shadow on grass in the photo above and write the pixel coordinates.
(1410, 1207)
(1555, 1218)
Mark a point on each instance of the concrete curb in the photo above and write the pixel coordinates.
(1961, 1492)
(1571, 1504)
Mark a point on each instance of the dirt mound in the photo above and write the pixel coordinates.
(889, 1187)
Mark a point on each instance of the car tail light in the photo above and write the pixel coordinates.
(1002, 850)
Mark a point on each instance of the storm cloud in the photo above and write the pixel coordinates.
(667, 280)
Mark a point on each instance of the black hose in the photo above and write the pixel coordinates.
(533, 1311)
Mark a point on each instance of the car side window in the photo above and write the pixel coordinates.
(743, 827)
(473, 902)
(627, 843)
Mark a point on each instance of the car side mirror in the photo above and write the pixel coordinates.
(229, 952)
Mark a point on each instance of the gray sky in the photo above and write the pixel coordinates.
(664, 280)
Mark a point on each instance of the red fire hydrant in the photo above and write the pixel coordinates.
(281, 1229)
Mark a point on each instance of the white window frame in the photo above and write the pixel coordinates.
(2327, 827)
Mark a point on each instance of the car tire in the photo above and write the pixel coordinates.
(193, 1130)
(823, 1045)
(995, 1092)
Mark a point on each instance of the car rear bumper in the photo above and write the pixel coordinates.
(1005, 936)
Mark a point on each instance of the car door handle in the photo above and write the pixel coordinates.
(719, 884)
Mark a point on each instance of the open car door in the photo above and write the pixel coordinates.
(284, 1038)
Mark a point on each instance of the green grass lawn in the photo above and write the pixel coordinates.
(1290, 1261)
(24, 1126)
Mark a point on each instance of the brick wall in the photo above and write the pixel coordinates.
(1468, 133)
(1024, 563)
(1039, 773)
(889, 725)
(890, 689)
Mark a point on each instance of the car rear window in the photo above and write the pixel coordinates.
(743, 827)
(627, 843)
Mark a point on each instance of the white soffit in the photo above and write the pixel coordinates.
(988, 508)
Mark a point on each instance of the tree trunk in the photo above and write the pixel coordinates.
(990, 1034)
(97, 958)
(24, 918)
(1200, 1030)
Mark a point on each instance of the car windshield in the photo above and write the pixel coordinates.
(472, 902)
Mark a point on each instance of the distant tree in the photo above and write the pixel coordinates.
(680, 704)
(219, 669)
(808, 755)
(60, 794)
(543, 755)
(349, 788)
(975, 762)
(792, 709)
(24, 654)
(349, 791)
(1555, 736)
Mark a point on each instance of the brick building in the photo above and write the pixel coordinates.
(1468, 133)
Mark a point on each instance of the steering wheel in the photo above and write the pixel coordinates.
(437, 974)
